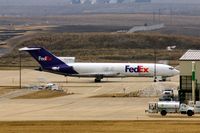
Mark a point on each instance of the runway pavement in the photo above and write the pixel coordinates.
(80, 105)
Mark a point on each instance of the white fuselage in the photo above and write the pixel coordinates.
(123, 69)
(66, 66)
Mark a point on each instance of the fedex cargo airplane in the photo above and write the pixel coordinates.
(53, 64)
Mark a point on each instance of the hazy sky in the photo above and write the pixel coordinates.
(62, 2)
(33, 2)
(177, 1)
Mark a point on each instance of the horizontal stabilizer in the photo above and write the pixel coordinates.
(28, 49)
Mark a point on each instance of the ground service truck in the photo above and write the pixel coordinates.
(164, 107)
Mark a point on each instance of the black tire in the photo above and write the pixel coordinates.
(97, 80)
(190, 113)
(163, 113)
(183, 112)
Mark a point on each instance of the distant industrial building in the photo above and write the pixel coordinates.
(185, 92)
(86, 2)
(140, 1)
(75, 1)
(102, 1)
(107, 1)
(116, 1)
(131, 1)
(120, 1)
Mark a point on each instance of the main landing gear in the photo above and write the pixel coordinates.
(98, 79)
(162, 79)
(155, 79)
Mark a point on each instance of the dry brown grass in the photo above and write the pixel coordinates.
(7, 89)
(43, 94)
(131, 94)
(101, 126)
(137, 47)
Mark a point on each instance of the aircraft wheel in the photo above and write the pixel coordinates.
(97, 80)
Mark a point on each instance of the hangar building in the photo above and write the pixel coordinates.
(185, 92)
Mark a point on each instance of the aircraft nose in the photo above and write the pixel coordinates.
(176, 72)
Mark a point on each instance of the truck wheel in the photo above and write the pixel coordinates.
(163, 113)
(190, 113)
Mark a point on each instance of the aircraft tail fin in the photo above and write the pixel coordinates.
(43, 57)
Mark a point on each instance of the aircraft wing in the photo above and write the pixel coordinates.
(104, 74)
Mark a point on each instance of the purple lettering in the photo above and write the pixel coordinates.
(137, 69)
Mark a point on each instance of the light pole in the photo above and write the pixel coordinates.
(154, 18)
(159, 13)
(155, 60)
(20, 71)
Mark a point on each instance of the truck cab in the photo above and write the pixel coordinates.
(185, 109)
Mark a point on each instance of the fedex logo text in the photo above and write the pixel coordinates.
(137, 69)
(46, 58)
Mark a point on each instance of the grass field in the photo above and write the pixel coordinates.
(7, 89)
(114, 47)
(138, 47)
(131, 94)
(101, 126)
(43, 94)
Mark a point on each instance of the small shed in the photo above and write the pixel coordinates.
(185, 92)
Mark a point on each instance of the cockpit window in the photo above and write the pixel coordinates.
(171, 68)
